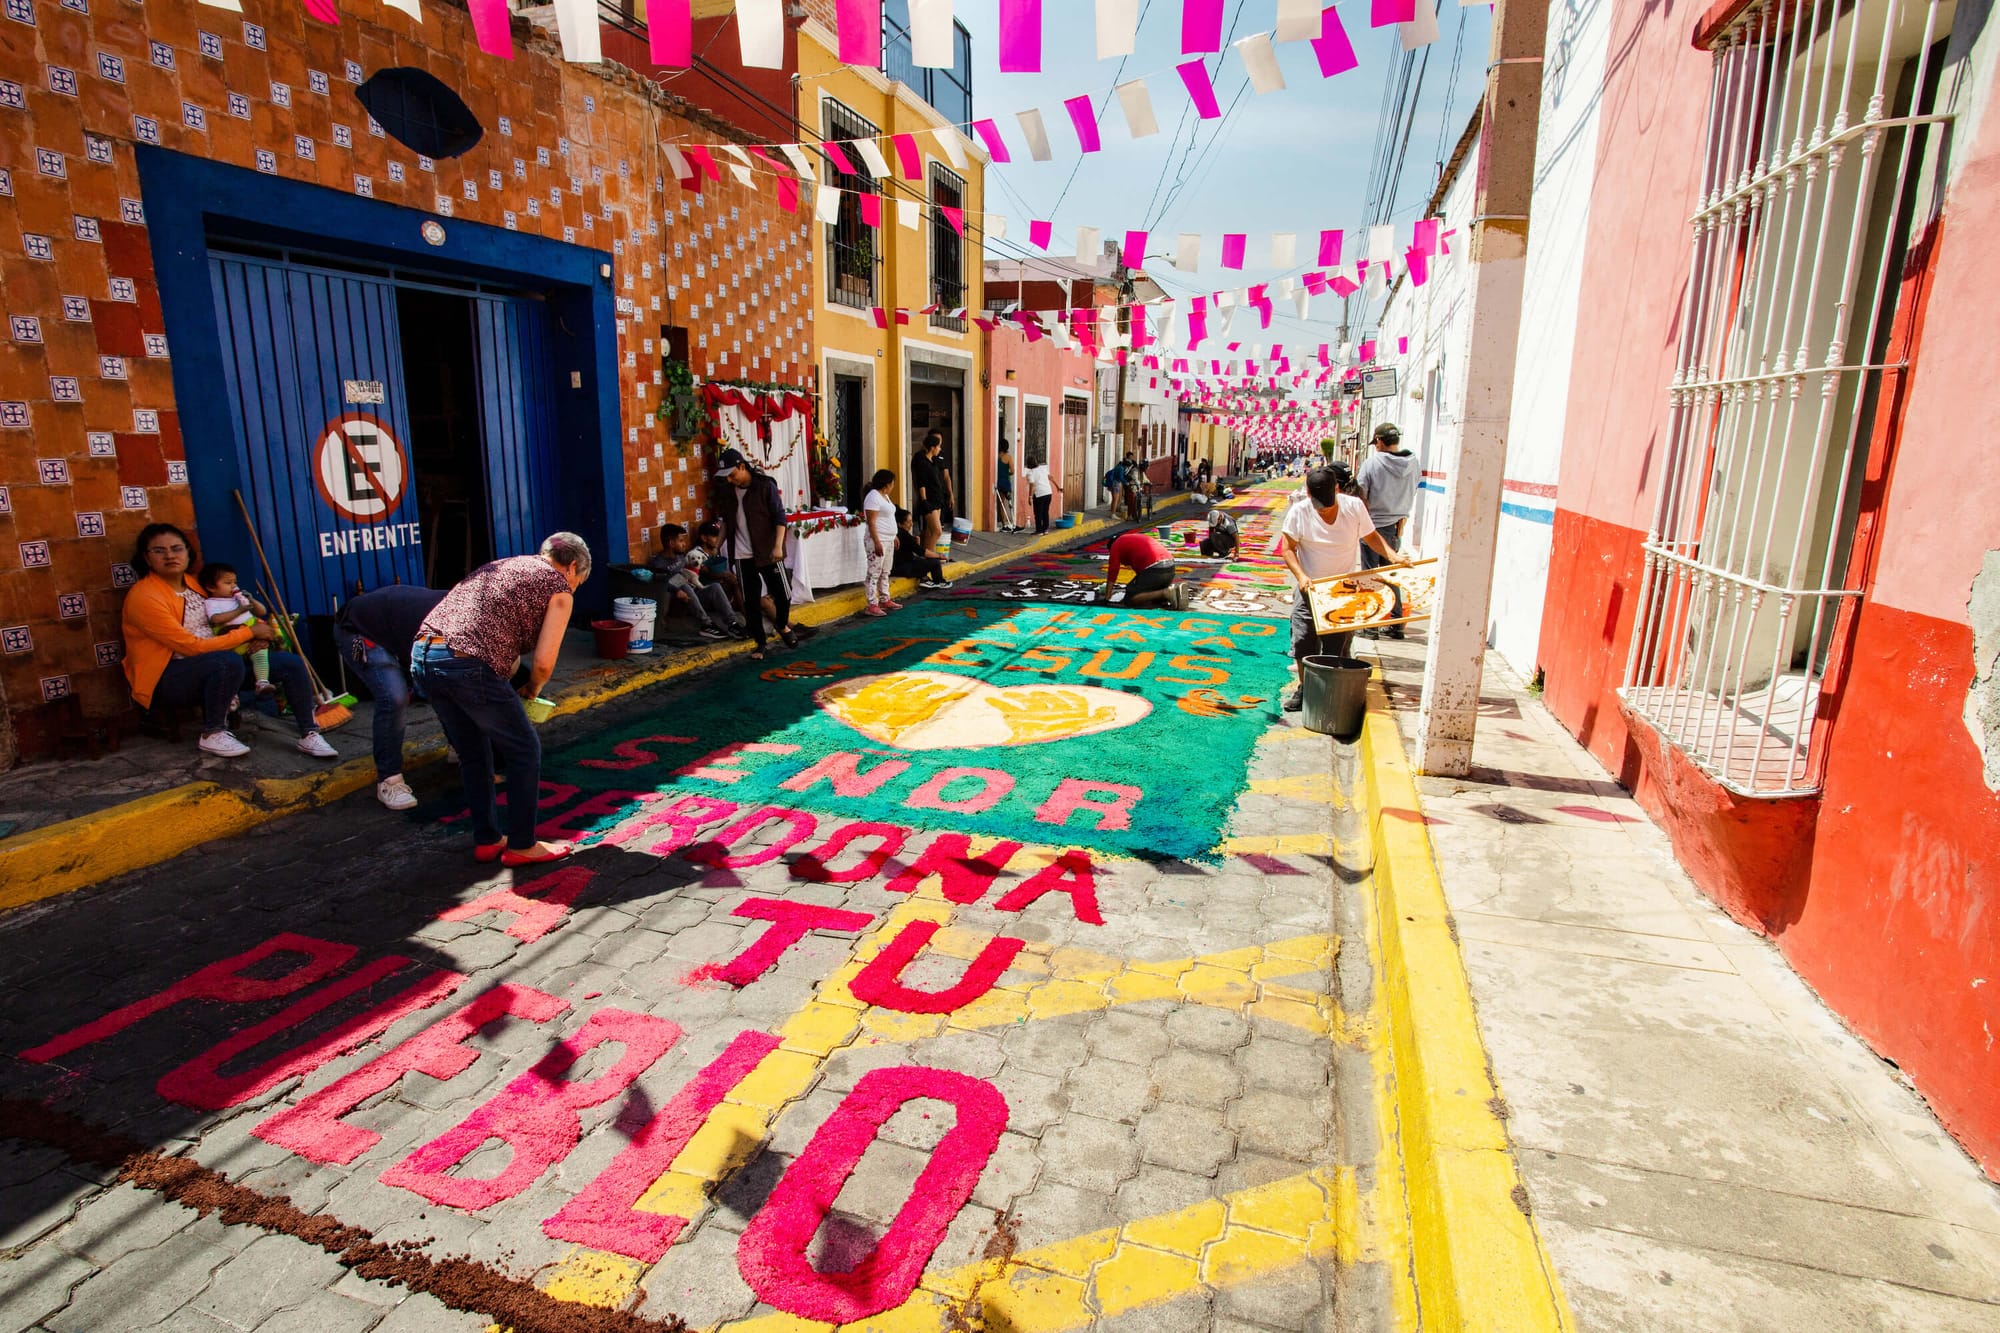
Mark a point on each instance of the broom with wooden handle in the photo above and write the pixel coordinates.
(328, 711)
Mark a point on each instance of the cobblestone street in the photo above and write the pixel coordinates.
(865, 1052)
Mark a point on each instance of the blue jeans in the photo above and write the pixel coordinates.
(480, 714)
(214, 679)
(383, 675)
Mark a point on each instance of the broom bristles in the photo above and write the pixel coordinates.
(331, 715)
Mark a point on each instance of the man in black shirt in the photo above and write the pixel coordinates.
(374, 633)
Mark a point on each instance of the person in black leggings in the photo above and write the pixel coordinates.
(753, 519)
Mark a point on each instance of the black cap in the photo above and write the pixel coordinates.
(1388, 431)
(731, 460)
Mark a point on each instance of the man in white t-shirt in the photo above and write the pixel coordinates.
(1322, 536)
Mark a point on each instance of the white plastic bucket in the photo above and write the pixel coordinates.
(961, 529)
(638, 612)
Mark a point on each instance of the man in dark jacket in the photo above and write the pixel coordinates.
(374, 633)
(752, 513)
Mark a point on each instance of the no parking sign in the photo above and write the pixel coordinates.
(362, 471)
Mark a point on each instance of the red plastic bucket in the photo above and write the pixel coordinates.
(614, 638)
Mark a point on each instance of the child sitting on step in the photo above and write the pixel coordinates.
(229, 607)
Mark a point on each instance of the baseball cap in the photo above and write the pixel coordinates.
(1388, 431)
(731, 460)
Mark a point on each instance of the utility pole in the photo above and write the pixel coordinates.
(1125, 290)
(1497, 251)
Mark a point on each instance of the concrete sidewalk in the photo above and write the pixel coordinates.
(1704, 1145)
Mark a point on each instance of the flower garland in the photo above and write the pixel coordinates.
(812, 527)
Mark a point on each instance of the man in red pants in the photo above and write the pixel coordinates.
(1152, 566)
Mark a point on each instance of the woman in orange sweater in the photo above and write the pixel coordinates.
(174, 657)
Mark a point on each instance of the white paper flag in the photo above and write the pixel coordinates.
(1284, 248)
(1299, 20)
(576, 24)
(1381, 244)
(1062, 336)
(1302, 300)
(827, 204)
(996, 226)
(910, 212)
(236, 7)
(410, 7)
(1423, 29)
(760, 24)
(1260, 62)
(677, 160)
(1187, 255)
(1138, 107)
(871, 157)
(797, 157)
(953, 146)
(1037, 135)
(1225, 300)
(931, 33)
(742, 175)
(1118, 28)
(1089, 244)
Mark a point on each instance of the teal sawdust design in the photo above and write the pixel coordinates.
(1167, 703)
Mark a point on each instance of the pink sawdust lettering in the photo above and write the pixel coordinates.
(201, 1083)
(573, 824)
(722, 765)
(1112, 802)
(537, 907)
(314, 1129)
(965, 878)
(772, 1256)
(715, 851)
(1072, 874)
(881, 981)
(843, 770)
(538, 1115)
(789, 923)
(225, 982)
(681, 822)
(606, 1216)
(548, 796)
(814, 866)
(994, 786)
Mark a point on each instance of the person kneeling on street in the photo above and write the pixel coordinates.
(374, 633)
(1221, 541)
(1152, 566)
(1322, 538)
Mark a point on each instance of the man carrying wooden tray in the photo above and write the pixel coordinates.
(1322, 538)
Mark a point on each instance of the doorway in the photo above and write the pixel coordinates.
(441, 385)
(1076, 449)
(941, 408)
(848, 419)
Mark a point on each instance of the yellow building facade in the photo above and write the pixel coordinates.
(882, 389)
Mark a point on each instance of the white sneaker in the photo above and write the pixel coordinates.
(395, 793)
(224, 744)
(315, 745)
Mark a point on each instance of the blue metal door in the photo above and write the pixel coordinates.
(313, 367)
(516, 377)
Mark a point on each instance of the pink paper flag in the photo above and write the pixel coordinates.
(871, 207)
(1197, 327)
(788, 193)
(1232, 250)
(860, 24)
(1382, 13)
(1345, 286)
(1402, 347)
(1083, 115)
(704, 162)
(955, 216)
(1335, 52)
(1419, 265)
(1040, 234)
(1201, 26)
(323, 10)
(1368, 351)
(1021, 36)
(1201, 88)
(989, 134)
(1329, 249)
(670, 32)
(1424, 235)
(838, 156)
(1135, 249)
(909, 157)
(489, 25)
(1316, 283)
(881, 317)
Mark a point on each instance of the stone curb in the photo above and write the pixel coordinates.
(1476, 1259)
(92, 848)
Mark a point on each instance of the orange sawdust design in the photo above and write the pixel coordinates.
(1208, 703)
(802, 671)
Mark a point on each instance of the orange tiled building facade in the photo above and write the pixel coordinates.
(95, 442)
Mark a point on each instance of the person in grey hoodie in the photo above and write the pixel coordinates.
(1388, 479)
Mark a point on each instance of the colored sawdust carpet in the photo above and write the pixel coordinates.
(1125, 732)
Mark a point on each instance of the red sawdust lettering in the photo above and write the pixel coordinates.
(813, 866)
(682, 821)
(843, 770)
(789, 924)
(564, 827)
(547, 794)
(715, 851)
(224, 982)
(200, 1082)
(772, 1255)
(722, 765)
(994, 786)
(965, 878)
(538, 1115)
(1071, 873)
(634, 754)
(314, 1129)
(880, 982)
(606, 1216)
(537, 907)
(1111, 801)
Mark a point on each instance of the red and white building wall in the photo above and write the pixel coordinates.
(1878, 873)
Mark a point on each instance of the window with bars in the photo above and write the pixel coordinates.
(853, 248)
(947, 250)
(1824, 137)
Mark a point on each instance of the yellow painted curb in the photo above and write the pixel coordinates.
(1476, 1258)
(144, 832)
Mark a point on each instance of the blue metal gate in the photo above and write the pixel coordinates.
(516, 380)
(297, 345)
